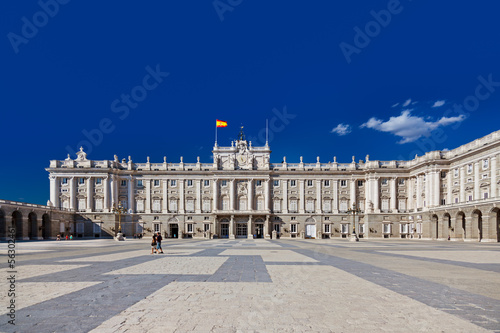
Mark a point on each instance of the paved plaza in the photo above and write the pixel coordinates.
(253, 286)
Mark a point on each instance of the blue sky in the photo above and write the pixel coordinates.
(335, 78)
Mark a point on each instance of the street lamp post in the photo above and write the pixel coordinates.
(353, 211)
(119, 210)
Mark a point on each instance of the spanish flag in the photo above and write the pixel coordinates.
(220, 123)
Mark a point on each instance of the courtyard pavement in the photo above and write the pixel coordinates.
(251, 286)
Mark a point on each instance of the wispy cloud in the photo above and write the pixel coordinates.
(408, 127)
(408, 101)
(438, 104)
(394, 105)
(342, 129)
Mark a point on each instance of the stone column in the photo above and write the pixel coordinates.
(215, 194)
(285, 196)
(352, 193)
(249, 228)
(462, 184)
(250, 195)
(231, 195)
(449, 188)
(427, 189)
(90, 194)
(131, 194)
(468, 228)
(436, 188)
(72, 193)
(393, 192)
(267, 231)
(54, 191)
(411, 189)
(335, 192)
(376, 195)
(106, 194)
(477, 180)
(318, 196)
(198, 197)
(266, 195)
(231, 228)
(114, 191)
(165, 196)
(147, 208)
(302, 197)
(181, 196)
(493, 176)
(419, 191)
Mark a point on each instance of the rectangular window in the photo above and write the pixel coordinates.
(277, 205)
(327, 228)
(345, 228)
(485, 164)
(387, 228)
(361, 228)
(485, 195)
(343, 205)
(123, 182)
(206, 227)
(327, 206)
(443, 201)
(173, 205)
(140, 206)
(455, 173)
(98, 205)
(189, 182)
(293, 218)
(293, 205)
(310, 205)
(260, 204)
(293, 183)
(469, 168)
(97, 228)
(64, 181)
(156, 182)
(384, 181)
(139, 183)
(224, 183)
(258, 183)
(276, 183)
(456, 200)
(309, 183)
(443, 174)
(79, 227)
(173, 183)
(402, 204)
(156, 205)
(293, 228)
(401, 181)
(206, 183)
(385, 204)
(81, 181)
(190, 205)
(98, 181)
(470, 197)
(343, 183)
(206, 206)
(225, 203)
(326, 183)
(360, 183)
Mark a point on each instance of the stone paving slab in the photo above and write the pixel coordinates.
(254, 286)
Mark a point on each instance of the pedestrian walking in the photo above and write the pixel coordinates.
(158, 243)
(153, 244)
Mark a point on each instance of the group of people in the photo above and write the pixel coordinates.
(70, 237)
(156, 243)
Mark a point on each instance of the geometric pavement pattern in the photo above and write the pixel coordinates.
(254, 285)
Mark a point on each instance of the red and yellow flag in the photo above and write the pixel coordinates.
(220, 123)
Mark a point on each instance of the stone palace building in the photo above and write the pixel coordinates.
(442, 195)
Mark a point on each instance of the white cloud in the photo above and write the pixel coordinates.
(408, 127)
(438, 104)
(408, 101)
(394, 105)
(342, 129)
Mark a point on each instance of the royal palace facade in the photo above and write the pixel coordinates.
(441, 195)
